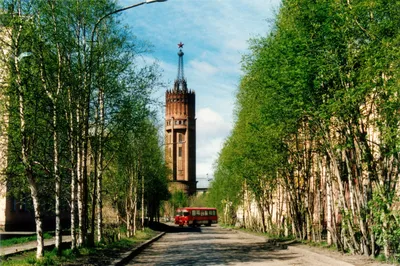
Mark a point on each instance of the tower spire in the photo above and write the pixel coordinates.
(180, 82)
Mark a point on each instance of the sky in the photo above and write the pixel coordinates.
(215, 34)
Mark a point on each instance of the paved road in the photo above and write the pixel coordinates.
(218, 246)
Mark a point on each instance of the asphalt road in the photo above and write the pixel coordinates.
(219, 246)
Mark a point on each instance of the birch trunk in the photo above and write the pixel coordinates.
(80, 183)
(100, 171)
(25, 160)
(58, 234)
(72, 142)
(128, 216)
(73, 197)
(38, 214)
(329, 211)
(142, 203)
(135, 198)
(99, 207)
(54, 99)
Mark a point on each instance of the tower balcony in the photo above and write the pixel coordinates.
(176, 123)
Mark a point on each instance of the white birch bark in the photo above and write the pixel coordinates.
(25, 160)
(100, 170)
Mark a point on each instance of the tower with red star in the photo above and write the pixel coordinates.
(180, 132)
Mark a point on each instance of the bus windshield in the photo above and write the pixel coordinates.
(183, 213)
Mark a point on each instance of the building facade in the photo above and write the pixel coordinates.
(14, 215)
(180, 133)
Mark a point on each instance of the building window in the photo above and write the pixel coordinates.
(180, 166)
(180, 138)
(13, 204)
(180, 152)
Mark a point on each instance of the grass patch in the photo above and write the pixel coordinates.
(278, 238)
(21, 240)
(99, 255)
(322, 244)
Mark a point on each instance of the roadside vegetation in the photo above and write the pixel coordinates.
(21, 240)
(78, 120)
(102, 254)
(314, 151)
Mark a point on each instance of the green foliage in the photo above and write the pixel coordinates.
(179, 199)
(321, 88)
(76, 91)
(20, 240)
(199, 200)
(385, 219)
(82, 254)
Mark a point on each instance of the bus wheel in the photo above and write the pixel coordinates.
(209, 223)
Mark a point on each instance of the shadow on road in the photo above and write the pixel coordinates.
(212, 248)
(172, 228)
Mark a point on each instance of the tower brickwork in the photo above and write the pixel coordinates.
(180, 133)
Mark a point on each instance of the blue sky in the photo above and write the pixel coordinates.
(215, 34)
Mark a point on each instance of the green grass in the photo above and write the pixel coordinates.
(69, 256)
(258, 233)
(21, 240)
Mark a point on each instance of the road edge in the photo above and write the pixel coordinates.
(127, 256)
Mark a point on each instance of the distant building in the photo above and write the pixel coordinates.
(180, 133)
(202, 186)
(13, 213)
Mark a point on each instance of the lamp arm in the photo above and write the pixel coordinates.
(112, 13)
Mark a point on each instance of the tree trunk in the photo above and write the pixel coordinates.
(100, 171)
(99, 207)
(26, 162)
(142, 202)
(329, 211)
(38, 213)
(58, 235)
(81, 219)
(72, 142)
(135, 198)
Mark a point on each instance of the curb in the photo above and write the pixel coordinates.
(127, 256)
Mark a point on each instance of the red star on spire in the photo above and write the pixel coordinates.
(180, 45)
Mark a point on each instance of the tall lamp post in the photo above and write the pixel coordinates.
(120, 10)
(89, 90)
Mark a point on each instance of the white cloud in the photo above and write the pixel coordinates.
(202, 67)
(215, 34)
(211, 124)
(211, 132)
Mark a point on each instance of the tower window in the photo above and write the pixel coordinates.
(180, 152)
(180, 138)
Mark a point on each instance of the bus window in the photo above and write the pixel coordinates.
(202, 213)
(186, 213)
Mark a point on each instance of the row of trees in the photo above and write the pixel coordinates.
(79, 124)
(316, 139)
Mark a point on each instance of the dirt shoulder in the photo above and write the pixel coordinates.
(356, 260)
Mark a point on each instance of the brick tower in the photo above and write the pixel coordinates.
(180, 133)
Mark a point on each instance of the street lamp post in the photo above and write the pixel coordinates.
(90, 87)
(120, 10)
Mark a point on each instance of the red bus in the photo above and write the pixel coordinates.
(196, 216)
